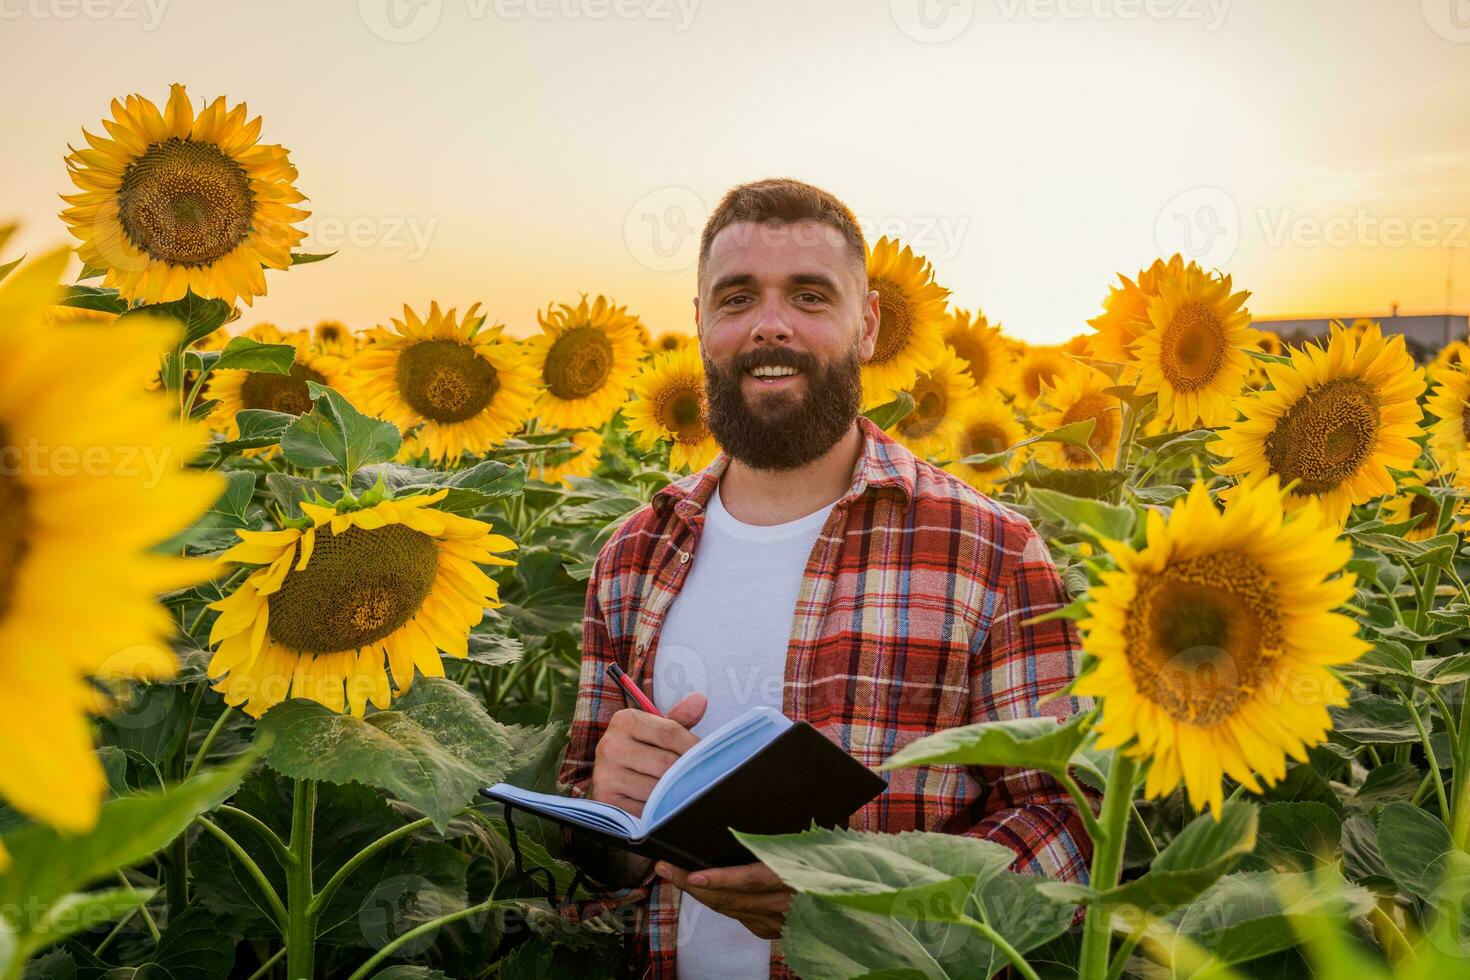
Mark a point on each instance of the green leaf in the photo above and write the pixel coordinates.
(1298, 836)
(889, 414)
(334, 433)
(306, 258)
(9, 267)
(244, 354)
(469, 489)
(1194, 860)
(288, 491)
(47, 865)
(912, 875)
(1371, 719)
(1417, 849)
(1033, 743)
(1104, 520)
(85, 910)
(1076, 483)
(101, 299)
(433, 750)
(199, 317)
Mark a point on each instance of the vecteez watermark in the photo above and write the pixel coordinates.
(407, 21)
(147, 14)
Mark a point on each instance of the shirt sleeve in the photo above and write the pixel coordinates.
(1017, 664)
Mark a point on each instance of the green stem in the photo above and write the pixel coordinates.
(300, 923)
(277, 846)
(1136, 818)
(147, 916)
(1107, 863)
(1449, 721)
(999, 942)
(343, 873)
(266, 966)
(1460, 808)
(1125, 950)
(1084, 810)
(278, 910)
(366, 969)
(1444, 803)
(214, 731)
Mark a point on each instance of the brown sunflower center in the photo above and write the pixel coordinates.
(986, 438)
(1426, 507)
(1326, 436)
(14, 520)
(1465, 421)
(930, 406)
(185, 203)
(895, 321)
(1104, 433)
(578, 363)
(358, 587)
(973, 353)
(280, 392)
(1193, 347)
(668, 343)
(446, 381)
(1201, 635)
(1038, 373)
(680, 409)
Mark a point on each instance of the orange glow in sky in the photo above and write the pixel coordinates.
(516, 152)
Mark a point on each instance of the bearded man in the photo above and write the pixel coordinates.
(817, 567)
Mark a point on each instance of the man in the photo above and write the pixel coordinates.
(817, 567)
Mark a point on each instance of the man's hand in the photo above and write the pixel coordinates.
(637, 748)
(749, 893)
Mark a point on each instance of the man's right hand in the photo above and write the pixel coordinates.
(637, 748)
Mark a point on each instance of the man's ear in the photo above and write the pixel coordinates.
(698, 326)
(872, 318)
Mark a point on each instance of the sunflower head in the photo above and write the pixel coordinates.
(1214, 642)
(1333, 423)
(1035, 368)
(172, 201)
(986, 426)
(911, 320)
(1077, 395)
(940, 393)
(1455, 353)
(1125, 311)
(980, 345)
(1414, 501)
(1449, 436)
(334, 337)
(580, 460)
(237, 390)
(333, 610)
(669, 405)
(669, 340)
(585, 357)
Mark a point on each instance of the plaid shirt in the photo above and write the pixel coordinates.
(911, 619)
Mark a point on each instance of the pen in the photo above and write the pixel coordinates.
(631, 690)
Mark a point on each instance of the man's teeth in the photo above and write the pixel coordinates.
(772, 372)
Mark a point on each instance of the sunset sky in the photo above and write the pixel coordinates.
(515, 152)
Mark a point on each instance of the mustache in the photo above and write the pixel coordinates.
(774, 357)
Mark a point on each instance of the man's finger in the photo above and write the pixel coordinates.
(757, 877)
(665, 734)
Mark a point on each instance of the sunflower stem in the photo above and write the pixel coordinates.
(300, 917)
(1460, 808)
(999, 942)
(1444, 805)
(1107, 863)
(214, 731)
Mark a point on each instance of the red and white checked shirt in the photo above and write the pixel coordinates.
(911, 619)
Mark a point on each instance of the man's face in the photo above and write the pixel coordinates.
(785, 321)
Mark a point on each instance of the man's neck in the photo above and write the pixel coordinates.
(766, 497)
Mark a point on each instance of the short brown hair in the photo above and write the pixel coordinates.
(781, 201)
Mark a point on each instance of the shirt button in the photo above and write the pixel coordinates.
(683, 557)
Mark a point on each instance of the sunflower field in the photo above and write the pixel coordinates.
(275, 603)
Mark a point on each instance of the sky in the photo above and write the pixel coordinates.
(520, 152)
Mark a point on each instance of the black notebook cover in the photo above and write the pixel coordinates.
(799, 778)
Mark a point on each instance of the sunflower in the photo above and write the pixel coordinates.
(333, 337)
(175, 202)
(92, 476)
(1214, 642)
(669, 340)
(1456, 352)
(1449, 438)
(981, 347)
(580, 460)
(585, 357)
(668, 403)
(1075, 396)
(1035, 368)
(1407, 505)
(466, 386)
(236, 390)
(1333, 424)
(1188, 351)
(1267, 342)
(940, 392)
(911, 310)
(331, 603)
(987, 426)
(1125, 311)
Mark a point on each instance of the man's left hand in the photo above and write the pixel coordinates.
(749, 893)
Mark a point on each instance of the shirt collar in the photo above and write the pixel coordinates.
(884, 464)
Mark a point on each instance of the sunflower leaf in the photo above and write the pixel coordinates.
(1103, 520)
(99, 298)
(306, 258)
(199, 317)
(334, 433)
(1034, 743)
(1419, 853)
(244, 354)
(433, 750)
(889, 414)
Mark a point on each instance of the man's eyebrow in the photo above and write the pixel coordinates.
(733, 279)
(813, 279)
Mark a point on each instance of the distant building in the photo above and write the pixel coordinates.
(1424, 334)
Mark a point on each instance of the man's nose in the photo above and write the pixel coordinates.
(770, 329)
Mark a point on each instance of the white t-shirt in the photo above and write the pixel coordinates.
(726, 635)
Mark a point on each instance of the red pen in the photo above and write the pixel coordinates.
(626, 683)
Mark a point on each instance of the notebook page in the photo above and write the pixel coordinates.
(716, 754)
(581, 811)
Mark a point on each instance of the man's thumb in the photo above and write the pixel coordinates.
(688, 711)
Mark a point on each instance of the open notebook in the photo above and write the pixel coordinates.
(758, 773)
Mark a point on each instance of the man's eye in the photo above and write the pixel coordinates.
(811, 298)
(736, 300)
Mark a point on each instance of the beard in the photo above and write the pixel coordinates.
(787, 431)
